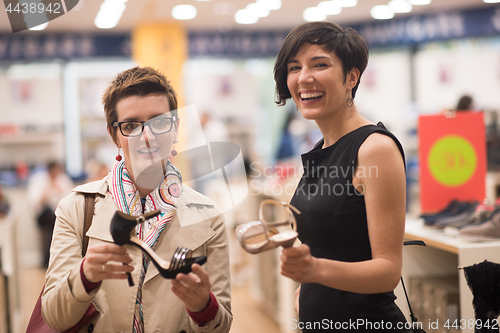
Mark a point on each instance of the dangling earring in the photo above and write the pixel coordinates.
(297, 109)
(118, 156)
(174, 152)
(349, 102)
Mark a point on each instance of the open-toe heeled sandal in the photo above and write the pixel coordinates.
(259, 236)
(122, 229)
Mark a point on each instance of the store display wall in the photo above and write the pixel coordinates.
(447, 70)
(31, 115)
(385, 91)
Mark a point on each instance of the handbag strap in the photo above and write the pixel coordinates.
(87, 219)
(412, 316)
(37, 324)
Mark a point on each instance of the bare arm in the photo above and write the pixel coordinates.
(384, 192)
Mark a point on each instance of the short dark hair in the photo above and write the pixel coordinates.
(137, 81)
(464, 103)
(348, 44)
(53, 165)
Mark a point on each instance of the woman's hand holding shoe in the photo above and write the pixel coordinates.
(193, 289)
(96, 267)
(298, 264)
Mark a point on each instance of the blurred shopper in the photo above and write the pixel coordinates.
(45, 189)
(286, 148)
(352, 193)
(141, 115)
(465, 103)
(4, 204)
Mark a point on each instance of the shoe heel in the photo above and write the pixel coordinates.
(122, 225)
(260, 236)
(285, 239)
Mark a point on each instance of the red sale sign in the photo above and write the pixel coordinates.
(452, 153)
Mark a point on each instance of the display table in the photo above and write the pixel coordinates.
(443, 255)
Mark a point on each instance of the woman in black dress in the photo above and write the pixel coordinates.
(352, 193)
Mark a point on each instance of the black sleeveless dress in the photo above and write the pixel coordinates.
(333, 224)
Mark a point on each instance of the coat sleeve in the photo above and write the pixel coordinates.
(218, 271)
(65, 300)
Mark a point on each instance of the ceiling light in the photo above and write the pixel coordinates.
(419, 2)
(400, 6)
(109, 14)
(40, 27)
(244, 16)
(312, 14)
(346, 3)
(382, 12)
(270, 4)
(106, 20)
(257, 10)
(330, 7)
(184, 12)
(491, 1)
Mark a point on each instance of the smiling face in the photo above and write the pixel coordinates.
(317, 82)
(145, 155)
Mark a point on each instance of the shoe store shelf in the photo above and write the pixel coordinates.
(443, 256)
(415, 230)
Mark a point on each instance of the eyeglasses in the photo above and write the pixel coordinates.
(159, 125)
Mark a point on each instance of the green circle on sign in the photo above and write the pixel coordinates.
(452, 160)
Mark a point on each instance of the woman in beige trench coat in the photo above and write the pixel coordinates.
(194, 302)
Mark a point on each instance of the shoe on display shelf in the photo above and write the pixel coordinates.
(487, 230)
(480, 215)
(463, 209)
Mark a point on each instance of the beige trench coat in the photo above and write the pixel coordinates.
(65, 299)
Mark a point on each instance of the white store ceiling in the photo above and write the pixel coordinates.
(219, 14)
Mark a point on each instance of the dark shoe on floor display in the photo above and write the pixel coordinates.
(455, 208)
(461, 218)
(487, 230)
(122, 229)
(480, 215)
(451, 206)
(476, 219)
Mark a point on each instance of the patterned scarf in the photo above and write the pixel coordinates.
(127, 198)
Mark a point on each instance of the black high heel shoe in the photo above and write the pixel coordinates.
(122, 229)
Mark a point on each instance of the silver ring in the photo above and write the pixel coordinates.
(199, 286)
(102, 268)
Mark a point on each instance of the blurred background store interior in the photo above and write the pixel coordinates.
(423, 58)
